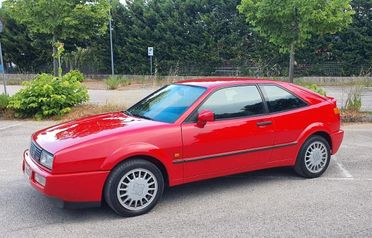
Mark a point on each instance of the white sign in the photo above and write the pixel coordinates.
(150, 51)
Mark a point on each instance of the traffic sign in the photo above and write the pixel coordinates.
(150, 51)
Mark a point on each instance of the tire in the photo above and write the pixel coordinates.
(313, 158)
(134, 187)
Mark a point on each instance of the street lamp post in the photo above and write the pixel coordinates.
(111, 45)
(1, 60)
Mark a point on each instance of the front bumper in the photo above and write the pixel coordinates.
(337, 140)
(83, 187)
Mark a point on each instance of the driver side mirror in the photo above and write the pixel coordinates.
(204, 117)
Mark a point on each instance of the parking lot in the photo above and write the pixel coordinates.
(269, 203)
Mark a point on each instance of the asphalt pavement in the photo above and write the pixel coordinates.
(268, 203)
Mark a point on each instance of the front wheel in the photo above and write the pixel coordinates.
(313, 158)
(134, 187)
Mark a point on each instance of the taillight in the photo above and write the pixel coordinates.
(336, 110)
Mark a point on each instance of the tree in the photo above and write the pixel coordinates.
(58, 54)
(71, 20)
(18, 47)
(189, 36)
(290, 23)
(353, 46)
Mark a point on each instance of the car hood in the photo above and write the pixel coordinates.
(61, 136)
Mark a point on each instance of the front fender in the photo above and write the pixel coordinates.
(143, 149)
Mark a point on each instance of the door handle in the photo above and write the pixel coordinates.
(264, 123)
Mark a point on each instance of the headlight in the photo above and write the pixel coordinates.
(46, 159)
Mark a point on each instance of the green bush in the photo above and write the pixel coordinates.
(113, 82)
(74, 75)
(354, 103)
(354, 99)
(315, 88)
(4, 101)
(47, 96)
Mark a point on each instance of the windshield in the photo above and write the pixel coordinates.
(167, 104)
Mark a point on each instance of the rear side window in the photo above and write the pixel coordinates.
(234, 102)
(279, 99)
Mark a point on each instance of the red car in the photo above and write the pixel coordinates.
(184, 132)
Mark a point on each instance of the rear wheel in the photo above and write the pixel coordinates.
(134, 187)
(313, 158)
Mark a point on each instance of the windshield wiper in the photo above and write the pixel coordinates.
(141, 116)
(137, 115)
(128, 113)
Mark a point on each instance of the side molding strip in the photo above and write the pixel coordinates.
(238, 152)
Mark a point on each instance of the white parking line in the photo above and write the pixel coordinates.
(344, 171)
(297, 178)
(8, 127)
(346, 179)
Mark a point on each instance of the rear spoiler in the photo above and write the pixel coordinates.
(310, 91)
(332, 100)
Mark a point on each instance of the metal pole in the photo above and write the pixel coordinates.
(111, 45)
(150, 65)
(3, 71)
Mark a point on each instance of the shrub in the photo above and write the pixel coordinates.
(354, 99)
(315, 88)
(46, 96)
(4, 101)
(74, 75)
(354, 103)
(113, 82)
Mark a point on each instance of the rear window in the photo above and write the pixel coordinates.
(279, 99)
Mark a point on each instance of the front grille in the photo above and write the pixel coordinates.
(35, 151)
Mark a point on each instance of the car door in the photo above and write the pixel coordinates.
(238, 138)
(290, 115)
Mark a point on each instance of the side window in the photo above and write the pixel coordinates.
(234, 102)
(279, 99)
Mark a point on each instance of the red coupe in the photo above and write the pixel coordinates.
(184, 132)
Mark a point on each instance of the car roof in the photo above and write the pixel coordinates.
(223, 82)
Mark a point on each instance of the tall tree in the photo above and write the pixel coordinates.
(61, 20)
(21, 48)
(290, 23)
(190, 36)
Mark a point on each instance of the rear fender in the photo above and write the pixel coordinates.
(310, 130)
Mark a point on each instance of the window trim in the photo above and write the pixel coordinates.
(189, 120)
(260, 85)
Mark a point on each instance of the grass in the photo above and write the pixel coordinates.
(76, 112)
(114, 82)
(4, 100)
(358, 81)
(88, 110)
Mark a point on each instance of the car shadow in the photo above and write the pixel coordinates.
(174, 195)
(226, 183)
